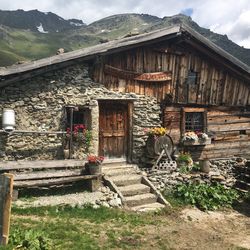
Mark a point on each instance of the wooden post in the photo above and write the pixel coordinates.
(71, 132)
(6, 190)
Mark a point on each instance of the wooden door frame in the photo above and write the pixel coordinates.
(129, 132)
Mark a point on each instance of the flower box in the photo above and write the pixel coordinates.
(196, 142)
(195, 139)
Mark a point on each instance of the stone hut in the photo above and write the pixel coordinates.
(172, 77)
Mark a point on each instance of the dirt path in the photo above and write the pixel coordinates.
(230, 227)
(194, 229)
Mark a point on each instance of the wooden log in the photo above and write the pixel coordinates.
(50, 182)
(6, 189)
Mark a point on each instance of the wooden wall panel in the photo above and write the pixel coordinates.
(229, 130)
(171, 121)
(216, 85)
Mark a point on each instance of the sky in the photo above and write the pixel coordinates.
(228, 17)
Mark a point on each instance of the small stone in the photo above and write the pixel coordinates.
(219, 178)
(105, 204)
(214, 173)
(179, 178)
(152, 179)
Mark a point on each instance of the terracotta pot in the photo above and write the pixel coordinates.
(94, 168)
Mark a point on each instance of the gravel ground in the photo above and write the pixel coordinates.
(103, 197)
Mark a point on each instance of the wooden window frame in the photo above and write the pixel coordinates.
(85, 116)
(193, 110)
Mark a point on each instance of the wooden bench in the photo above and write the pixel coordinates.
(37, 174)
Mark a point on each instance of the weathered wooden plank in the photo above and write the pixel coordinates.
(227, 115)
(229, 127)
(223, 122)
(46, 174)
(6, 189)
(50, 182)
(20, 165)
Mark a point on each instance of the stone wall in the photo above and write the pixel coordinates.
(39, 105)
(221, 171)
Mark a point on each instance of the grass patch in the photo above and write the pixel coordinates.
(98, 215)
(65, 227)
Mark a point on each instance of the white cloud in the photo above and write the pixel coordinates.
(226, 17)
(223, 16)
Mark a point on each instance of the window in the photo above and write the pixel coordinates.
(192, 77)
(194, 121)
(80, 116)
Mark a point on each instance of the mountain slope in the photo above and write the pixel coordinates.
(35, 20)
(29, 40)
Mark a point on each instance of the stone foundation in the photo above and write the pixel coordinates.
(39, 105)
(222, 171)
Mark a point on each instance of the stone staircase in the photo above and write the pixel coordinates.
(243, 177)
(135, 190)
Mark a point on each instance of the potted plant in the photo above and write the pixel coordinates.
(195, 138)
(156, 131)
(81, 136)
(184, 159)
(189, 138)
(203, 138)
(94, 164)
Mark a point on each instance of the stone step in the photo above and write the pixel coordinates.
(119, 171)
(125, 180)
(117, 167)
(140, 199)
(134, 189)
(110, 162)
(148, 207)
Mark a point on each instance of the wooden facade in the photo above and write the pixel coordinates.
(216, 84)
(220, 91)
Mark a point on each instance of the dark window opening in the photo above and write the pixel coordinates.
(192, 77)
(194, 121)
(81, 116)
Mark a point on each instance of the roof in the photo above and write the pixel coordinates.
(121, 44)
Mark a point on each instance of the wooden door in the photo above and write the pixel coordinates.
(113, 129)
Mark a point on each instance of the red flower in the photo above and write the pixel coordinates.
(95, 159)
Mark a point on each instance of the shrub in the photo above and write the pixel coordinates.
(206, 196)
